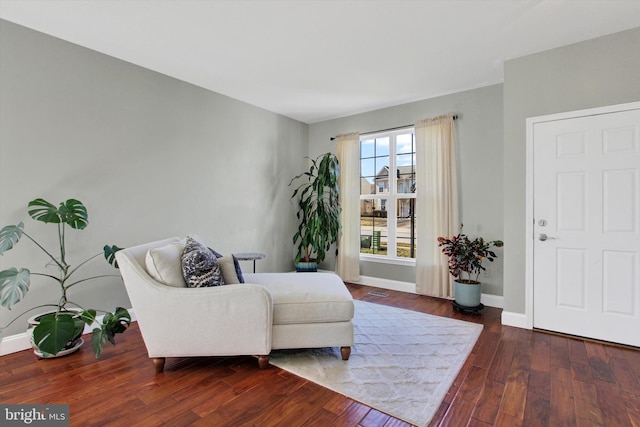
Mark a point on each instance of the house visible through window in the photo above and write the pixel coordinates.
(387, 200)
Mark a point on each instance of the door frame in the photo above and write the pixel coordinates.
(529, 228)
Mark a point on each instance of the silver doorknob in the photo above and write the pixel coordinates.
(542, 237)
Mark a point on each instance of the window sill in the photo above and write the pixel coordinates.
(409, 262)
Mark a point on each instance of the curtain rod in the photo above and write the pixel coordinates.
(455, 117)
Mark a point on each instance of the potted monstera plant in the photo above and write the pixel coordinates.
(465, 264)
(59, 330)
(317, 199)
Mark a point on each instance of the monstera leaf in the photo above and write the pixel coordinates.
(72, 212)
(55, 331)
(88, 316)
(116, 322)
(110, 254)
(14, 284)
(112, 323)
(9, 236)
(41, 210)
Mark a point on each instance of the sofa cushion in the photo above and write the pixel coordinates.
(306, 297)
(200, 266)
(228, 270)
(164, 264)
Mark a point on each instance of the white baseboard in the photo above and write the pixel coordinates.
(14, 344)
(492, 300)
(20, 342)
(517, 320)
(395, 285)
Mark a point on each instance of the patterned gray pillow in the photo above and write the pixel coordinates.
(199, 266)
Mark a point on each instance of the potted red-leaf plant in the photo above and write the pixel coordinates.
(465, 264)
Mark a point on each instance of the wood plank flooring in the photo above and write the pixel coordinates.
(513, 377)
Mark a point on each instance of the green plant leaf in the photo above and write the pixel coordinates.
(41, 210)
(79, 325)
(88, 316)
(14, 284)
(53, 332)
(319, 209)
(98, 339)
(110, 254)
(73, 213)
(9, 236)
(116, 322)
(112, 323)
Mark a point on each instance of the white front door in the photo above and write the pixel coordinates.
(586, 231)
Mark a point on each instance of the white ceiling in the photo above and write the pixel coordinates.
(318, 60)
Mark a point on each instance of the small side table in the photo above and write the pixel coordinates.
(250, 256)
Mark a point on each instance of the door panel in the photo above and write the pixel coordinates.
(619, 200)
(571, 286)
(572, 202)
(586, 204)
(619, 274)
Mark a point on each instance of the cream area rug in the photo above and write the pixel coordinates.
(402, 363)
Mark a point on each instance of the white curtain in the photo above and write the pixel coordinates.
(348, 153)
(437, 202)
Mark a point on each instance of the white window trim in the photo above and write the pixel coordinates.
(392, 200)
(385, 259)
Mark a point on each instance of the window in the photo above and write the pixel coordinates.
(387, 200)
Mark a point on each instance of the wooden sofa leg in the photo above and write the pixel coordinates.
(158, 363)
(346, 352)
(263, 361)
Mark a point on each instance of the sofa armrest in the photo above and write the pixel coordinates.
(215, 321)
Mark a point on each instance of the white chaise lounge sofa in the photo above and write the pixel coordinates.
(268, 311)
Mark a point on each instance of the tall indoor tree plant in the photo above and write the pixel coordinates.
(317, 199)
(61, 328)
(465, 265)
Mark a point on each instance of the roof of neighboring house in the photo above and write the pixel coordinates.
(404, 170)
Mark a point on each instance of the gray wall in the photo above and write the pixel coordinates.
(153, 157)
(479, 135)
(594, 73)
(150, 156)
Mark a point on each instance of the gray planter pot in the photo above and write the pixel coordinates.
(467, 295)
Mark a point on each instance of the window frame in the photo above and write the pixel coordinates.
(391, 197)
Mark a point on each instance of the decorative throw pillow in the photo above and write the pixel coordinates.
(199, 266)
(236, 264)
(164, 264)
(228, 270)
(216, 253)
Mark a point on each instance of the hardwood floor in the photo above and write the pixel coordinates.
(513, 377)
